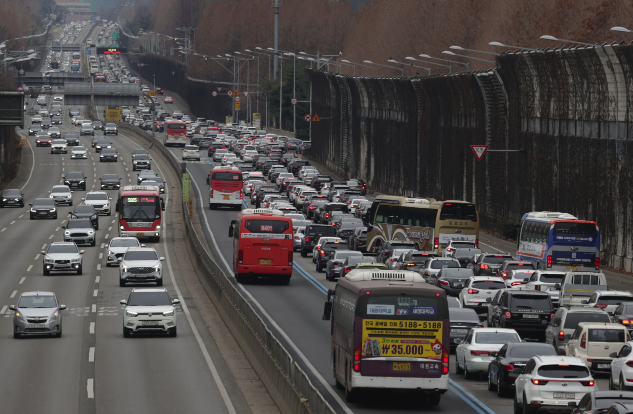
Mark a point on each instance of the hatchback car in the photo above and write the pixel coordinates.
(602, 401)
(12, 198)
(37, 313)
(149, 311)
(87, 129)
(140, 265)
(609, 300)
(80, 231)
(191, 152)
(478, 291)
(476, 351)
(43, 208)
(595, 343)
(566, 320)
(621, 373)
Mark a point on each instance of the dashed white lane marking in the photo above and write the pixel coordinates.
(3, 230)
(13, 294)
(98, 267)
(107, 235)
(63, 221)
(28, 269)
(20, 282)
(95, 293)
(94, 307)
(12, 222)
(4, 308)
(97, 279)
(52, 235)
(21, 216)
(91, 388)
(92, 327)
(113, 221)
(126, 169)
(57, 229)
(37, 256)
(43, 246)
(100, 255)
(91, 354)
(109, 228)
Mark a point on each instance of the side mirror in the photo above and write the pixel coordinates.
(62, 307)
(175, 301)
(527, 279)
(12, 307)
(557, 286)
(82, 251)
(30, 205)
(64, 227)
(327, 311)
(83, 199)
(231, 228)
(123, 302)
(111, 197)
(43, 252)
(613, 355)
(142, 245)
(162, 259)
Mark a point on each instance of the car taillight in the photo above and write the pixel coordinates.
(587, 383)
(549, 262)
(472, 291)
(504, 275)
(516, 283)
(597, 263)
(436, 242)
(583, 341)
(561, 336)
(509, 367)
(327, 215)
(241, 195)
(626, 322)
(629, 363)
(444, 283)
(477, 243)
(540, 382)
(600, 305)
(290, 258)
(307, 239)
(537, 287)
(449, 249)
(357, 355)
(409, 264)
(483, 353)
(240, 256)
(322, 252)
(484, 266)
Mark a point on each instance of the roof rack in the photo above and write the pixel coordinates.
(360, 275)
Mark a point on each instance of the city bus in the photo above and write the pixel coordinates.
(225, 187)
(262, 245)
(430, 223)
(74, 66)
(113, 113)
(140, 211)
(175, 133)
(389, 330)
(559, 241)
(76, 56)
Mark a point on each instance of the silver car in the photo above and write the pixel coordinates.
(37, 313)
(87, 129)
(62, 256)
(100, 201)
(117, 248)
(79, 152)
(139, 265)
(59, 146)
(298, 237)
(61, 194)
(80, 231)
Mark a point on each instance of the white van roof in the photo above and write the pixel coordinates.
(361, 275)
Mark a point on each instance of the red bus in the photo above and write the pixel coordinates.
(175, 133)
(262, 245)
(140, 211)
(226, 184)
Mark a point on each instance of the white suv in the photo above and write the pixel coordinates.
(480, 290)
(139, 265)
(149, 310)
(551, 382)
(100, 201)
(609, 300)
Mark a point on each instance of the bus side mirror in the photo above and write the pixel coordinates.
(327, 310)
(231, 228)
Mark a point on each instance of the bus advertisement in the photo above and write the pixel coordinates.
(559, 241)
(113, 113)
(225, 188)
(140, 211)
(175, 133)
(263, 245)
(389, 335)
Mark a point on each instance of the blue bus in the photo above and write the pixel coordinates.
(559, 241)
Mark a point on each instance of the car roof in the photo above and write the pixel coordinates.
(614, 292)
(557, 359)
(495, 278)
(579, 309)
(61, 185)
(62, 244)
(502, 330)
(602, 325)
(154, 290)
(38, 293)
(141, 249)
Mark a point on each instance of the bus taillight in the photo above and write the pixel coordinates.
(211, 193)
(597, 263)
(240, 256)
(290, 258)
(241, 195)
(436, 242)
(357, 358)
(549, 262)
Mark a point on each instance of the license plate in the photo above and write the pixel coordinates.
(265, 261)
(603, 366)
(140, 234)
(227, 197)
(459, 330)
(150, 322)
(36, 325)
(402, 366)
(570, 395)
(458, 285)
(530, 316)
(573, 267)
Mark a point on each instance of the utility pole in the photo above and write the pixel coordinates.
(276, 6)
(281, 75)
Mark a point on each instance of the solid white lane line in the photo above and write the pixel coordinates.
(94, 307)
(97, 279)
(91, 354)
(92, 327)
(28, 269)
(37, 256)
(13, 294)
(100, 256)
(91, 388)
(21, 280)
(32, 167)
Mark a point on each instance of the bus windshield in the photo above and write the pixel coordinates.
(412, 216)
(140, 208)
(458, 211)
(227, 176)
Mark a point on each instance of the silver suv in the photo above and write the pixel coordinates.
(79, 231)
(100, 201)
(62, 256)
(37, 313)
(61, 194)
(140, 264)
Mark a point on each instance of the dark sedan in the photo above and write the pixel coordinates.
(601, 401)
(461, 321)
(108, 155)
(71, 139)
(110, 182)
(86, 212)
(12, 198)
(43, 208)
(453, 280)
(510, 360)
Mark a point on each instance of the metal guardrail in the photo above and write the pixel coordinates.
(258, 342)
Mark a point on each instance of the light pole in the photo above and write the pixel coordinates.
(276, 6)
(447, 60)
(515, 47)
(473, 50)
(450, 69)
(365, 66)
(411, 64)
(386, 66)
(248, 97)
(448, 52)
(265, 54)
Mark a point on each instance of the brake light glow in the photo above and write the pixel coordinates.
(508, 316)
(509, 367)
(600, 305)
(444, 283)
(540, 382)
(436, 242)
(597, 263)
(588, 383)
(484, 266)
(626, 322)
(357, 357)
(322, 252)
(504, 275)
(549, 262)
(409, 264)
(483, 353)
(472, 291)
(477, 243)
(583, 341)
(211, 193)
(516, 283)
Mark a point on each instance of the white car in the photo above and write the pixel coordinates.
(62, 256)
(59, 146)
(609, 300)
(303, 195)
(551, 382)
(61, 194)
(100, 201)
(191, 152)
(248, 155)
(36, 119)
(480, 347)
(140, 265)
(117, 248)
(78, 152)
(595, 342)
(281, 177)
(546, 281)
(457, 244)
(621, 374)
(228, 156)
(480, 290)
(517, 278)
(149, 311)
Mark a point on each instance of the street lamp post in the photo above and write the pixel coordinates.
(386, 66)
(448, 52)
(265, 54)
(365, 66)
(447, 60)
(515, 47)
(473, 50)
(411, 64)
(450, 68)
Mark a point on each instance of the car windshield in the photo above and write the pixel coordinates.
(488, 285)
(62, 248)
(441, 264)
(614, 300)
(606, 335)
(79, 224)
(109, 177)
(495, 259)
(149, 299)
(84, 209)
(96, 196)
(60, 190)
(141, 157)
(496, 337)
(44, 301)
(74, 176)
(528, 351)
(125, 242)
(141, 255)
(552, 278)
(79, 149)
(573, 319)
(11, 193)
(110, 125)
(563, 371)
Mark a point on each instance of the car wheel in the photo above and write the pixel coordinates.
(622, 387)
(46, 271)
(59, 332)
(159, 282)
(304, 253)
(611, 387)
(319, 269)
(350, 395)
(173, 333)
(526, 409)
(94, 243)
(80, 271)
(491, 386)
(517, 409)
(467, 374)
(15, 334)
(126, 333)
(458, 369)
(122, 283)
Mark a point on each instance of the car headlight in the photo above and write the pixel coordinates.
(169, 313)
(19, 317)
(157, 227)
(122, 228)
(130, 313)
(91, 232)
(4, 199)
(67, 233)
(50, 196)
(49, 261)
(124, 269)
(111, 253)
(77, 260)
(55, 316)
(101, 156)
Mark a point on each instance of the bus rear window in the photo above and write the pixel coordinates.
(458, 211)
(226, 176)
(176, 126)
(583, 229)
(267, 226)
(398, 305)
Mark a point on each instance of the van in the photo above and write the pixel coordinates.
(577, 287)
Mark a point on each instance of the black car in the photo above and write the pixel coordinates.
(102, 144)
(110, 182)
(43, 208)
(319, 180)
(623, 314)
(295, 166)
(35, 129)
(83, 211)
(384, 250)
(71, 140)
(461, 321)
(352, 261)
(414, 260)
(508, 363)
(527, 312)
(76, 180)
(323, 214)
(196, 138)
(108, 155)
(601, 401)
(488, 264)
(453, 280)
(358, 240)
(346, 196)
(347, 230)
(327, 250)
(311, 236)
(465, 255)
(310, 207)
(12, 197)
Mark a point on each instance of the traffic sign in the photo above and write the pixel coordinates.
(236, 93)
(219, 89)
(307, 117)
(479, 151)
(214, 93)
(245, 93)
(237, 104)
(294, 101)
(237, 99)
(316, 118)
(230, 92)
(152, 93)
